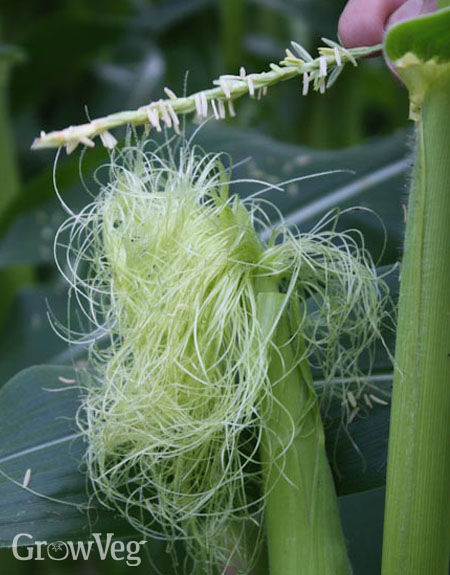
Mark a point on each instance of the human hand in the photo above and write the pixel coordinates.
(364, 22)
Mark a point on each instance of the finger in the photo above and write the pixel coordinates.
(411, 9)
(362, 22)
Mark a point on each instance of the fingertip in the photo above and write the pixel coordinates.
(360, 25)
(411, 9)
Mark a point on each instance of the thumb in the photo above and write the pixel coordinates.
(411, 9)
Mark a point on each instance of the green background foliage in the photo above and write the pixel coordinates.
(61, 61)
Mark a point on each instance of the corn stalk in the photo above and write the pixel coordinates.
(417, 519)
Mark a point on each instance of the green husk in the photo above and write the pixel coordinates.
(304, 534)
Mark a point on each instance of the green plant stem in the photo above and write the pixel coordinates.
(304, 535)
(417, 519)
